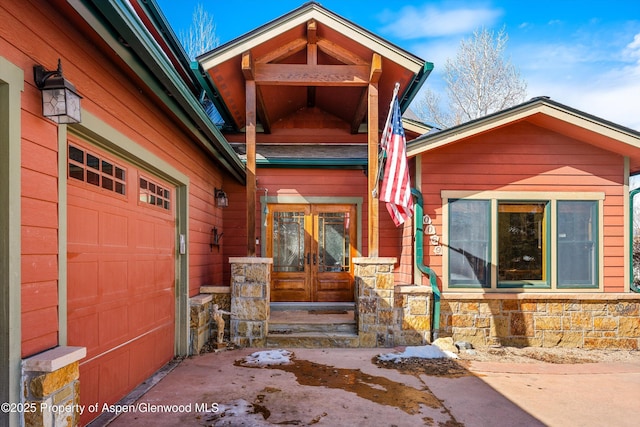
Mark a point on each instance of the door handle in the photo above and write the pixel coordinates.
(308, 259)
(314, 259)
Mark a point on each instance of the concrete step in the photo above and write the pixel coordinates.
(313, 340)
(312, 325)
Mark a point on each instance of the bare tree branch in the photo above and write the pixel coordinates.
(201, 36)
(479, 81)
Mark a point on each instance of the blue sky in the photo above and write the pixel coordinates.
(585, 54)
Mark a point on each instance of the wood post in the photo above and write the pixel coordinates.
(372, 171)
(250, 138)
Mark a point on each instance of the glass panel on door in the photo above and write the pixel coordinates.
(288, 241)
(333, 242)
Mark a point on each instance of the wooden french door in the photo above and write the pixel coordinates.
(311, 247)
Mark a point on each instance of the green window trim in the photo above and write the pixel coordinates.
(562, 238)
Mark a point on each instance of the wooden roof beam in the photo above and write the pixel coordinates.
(341, 54)
(283, 52)
(374, 77)
(311, 75)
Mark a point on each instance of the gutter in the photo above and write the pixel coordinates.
(416, 84)
(419, 256)
(632, 284)
(114, 21)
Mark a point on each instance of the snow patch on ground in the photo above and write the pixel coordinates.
(268, 358)
(422, 352)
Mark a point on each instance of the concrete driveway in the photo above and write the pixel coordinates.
(338, 387)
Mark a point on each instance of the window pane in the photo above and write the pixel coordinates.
(93, 162)
(120, 188)
(577, 243)
(76, 154)
(93, 178)
(521, 241)
(120, 173)
(107, 183)
(469, 231)
(76, 172)
(333, 241)
(107, 168)
(288, 241)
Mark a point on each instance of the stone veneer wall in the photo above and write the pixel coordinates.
(389, 315)
(596, 321)
(250, 299)
(202, 328)
(51, 385)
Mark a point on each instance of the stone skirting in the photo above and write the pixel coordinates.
(51, 387)
(250, 299)
(595, 321)
(389, 315)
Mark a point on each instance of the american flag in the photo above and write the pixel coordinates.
(396, 184)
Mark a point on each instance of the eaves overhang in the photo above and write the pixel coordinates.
(543, 112)
(299, 16)
(116, 22)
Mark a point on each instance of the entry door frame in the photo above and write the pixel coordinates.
(302, 200)
(312, 201)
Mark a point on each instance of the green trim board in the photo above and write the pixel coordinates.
(11, 88)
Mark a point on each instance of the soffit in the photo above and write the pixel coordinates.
(309, 58)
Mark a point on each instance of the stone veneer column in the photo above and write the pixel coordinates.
(51, 385)
(250, 298)
(375, 301)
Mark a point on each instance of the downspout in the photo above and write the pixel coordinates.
(419, 255)
(632, 284)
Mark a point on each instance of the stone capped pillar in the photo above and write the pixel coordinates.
(250, 298)
(51, 384)
(375, 301)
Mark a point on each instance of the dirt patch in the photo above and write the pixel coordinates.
(548, 355)
(450, 368)
(454, 368)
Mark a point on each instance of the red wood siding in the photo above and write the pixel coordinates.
(307, 183)
(35, 32)
(524, 157)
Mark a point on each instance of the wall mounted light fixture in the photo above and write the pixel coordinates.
(60, 100)
(215, 238)
(222, 200)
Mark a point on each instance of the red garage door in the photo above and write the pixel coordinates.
(121, 237)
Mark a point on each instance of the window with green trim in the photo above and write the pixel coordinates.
(577, 244)
(522, 244)
(469, 243)
(503, 244)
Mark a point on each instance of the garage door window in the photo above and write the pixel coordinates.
(96, 170)
(154, 194)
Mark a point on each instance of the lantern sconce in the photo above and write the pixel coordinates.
(222, 200)
(60, 100)
(215, 238)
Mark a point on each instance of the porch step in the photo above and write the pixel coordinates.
(313, 340)
(312, 325)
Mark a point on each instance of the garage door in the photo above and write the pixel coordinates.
(121, 273)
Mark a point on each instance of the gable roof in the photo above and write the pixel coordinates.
(285, 40)
(548, 114)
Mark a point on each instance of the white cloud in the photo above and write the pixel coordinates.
(605, 84)
(433, 21)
